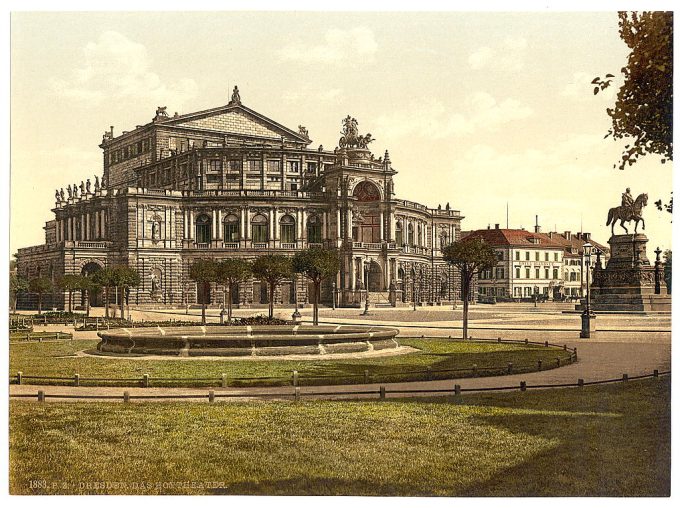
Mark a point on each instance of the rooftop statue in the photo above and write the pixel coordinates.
(96, 182)
(161, 112)
(235, 96)
(70, 191)
(350, 135)
(630, 210)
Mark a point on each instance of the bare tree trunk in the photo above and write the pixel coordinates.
(70, 301)
(466, 289)
(317, 288)
(229, 305)
(39, 303)
(121, 301)
(271, 301)
(106, 302)
(87, 303)
(203, 314)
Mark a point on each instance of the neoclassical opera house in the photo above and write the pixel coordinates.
(229, 182)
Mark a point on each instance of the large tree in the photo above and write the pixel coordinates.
(470, 256)
(317, 264)
(104, 278)
(203, 272)
(229, 273)
(272, 269)
(124, 278)
(69, 283)
(668, 269)
(40, 286)
(17, 285)
(644, 103)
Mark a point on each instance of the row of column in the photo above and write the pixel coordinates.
(86, 226)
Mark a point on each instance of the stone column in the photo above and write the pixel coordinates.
(218, 225)
(275, 222)
(242, 219)
(303, 225)
(214, 224)
(339, 224)
(191, 224)
(349, 223)
(246, 223)
(382, 226)
(352, 274)
(185, 222)
(324, 225)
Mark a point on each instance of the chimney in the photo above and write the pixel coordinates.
(488, 226)
(567, 235)
(586, 237)
(578, 236)
(498, 226)
(537, 228)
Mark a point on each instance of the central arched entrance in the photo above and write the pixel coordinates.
(375, 277)
(366, 221)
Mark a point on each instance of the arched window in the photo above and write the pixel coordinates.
(260, 229)
(410, 238)
(231, 228)
(287, 229)
(314, 229)
(399, 234)
(203, 229)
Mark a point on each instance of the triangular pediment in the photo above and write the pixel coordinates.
(237, 120)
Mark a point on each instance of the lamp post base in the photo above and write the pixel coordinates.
(587, 324)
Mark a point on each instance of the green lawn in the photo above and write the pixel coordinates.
(21, 336)
(611, 440)
(57, 359)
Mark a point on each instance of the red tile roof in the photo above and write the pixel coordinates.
(514, 238)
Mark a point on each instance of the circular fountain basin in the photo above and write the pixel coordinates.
(246, 340)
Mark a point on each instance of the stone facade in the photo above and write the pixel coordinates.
(229, 182)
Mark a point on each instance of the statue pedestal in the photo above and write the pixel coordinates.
(627, 284)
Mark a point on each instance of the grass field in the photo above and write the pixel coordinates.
(21, 336)
(58, 359)
(610, 440)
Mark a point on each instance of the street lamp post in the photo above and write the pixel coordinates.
(366, 269)
(296, 314)
(333, 287)
(587, 316)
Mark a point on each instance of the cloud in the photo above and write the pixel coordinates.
(116, 67)
(339, 45)
(429, 118)
(580, 87)
(508, 55)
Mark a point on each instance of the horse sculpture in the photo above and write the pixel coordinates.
(625, 214)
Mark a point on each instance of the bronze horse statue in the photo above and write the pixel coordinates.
(626, 214)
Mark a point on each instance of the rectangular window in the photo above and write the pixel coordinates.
(517, 273)
(538, 256)
(517, 255)
(254, 166)
(555, 274)
(235, 166)
(547, 273)
(260, 233)
(215, 165)
(527, 255)
(311, 167)
(500, 273)
(214, 178)
(557, 256)
(538, 273)
(273, 166)
(294, 166)
(547, 258)
(528, 272)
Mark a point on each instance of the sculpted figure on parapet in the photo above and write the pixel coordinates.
(96, 182)
(70, 191)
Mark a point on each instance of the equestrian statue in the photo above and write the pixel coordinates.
(630, 210)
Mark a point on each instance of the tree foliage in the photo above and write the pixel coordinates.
(317, 264)
(69, 283)
(644, 103)
(668, 268)
(40, 286)
(229, 272)
(17, 286)
(470, 256)
(273, 269)
(104, 278)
